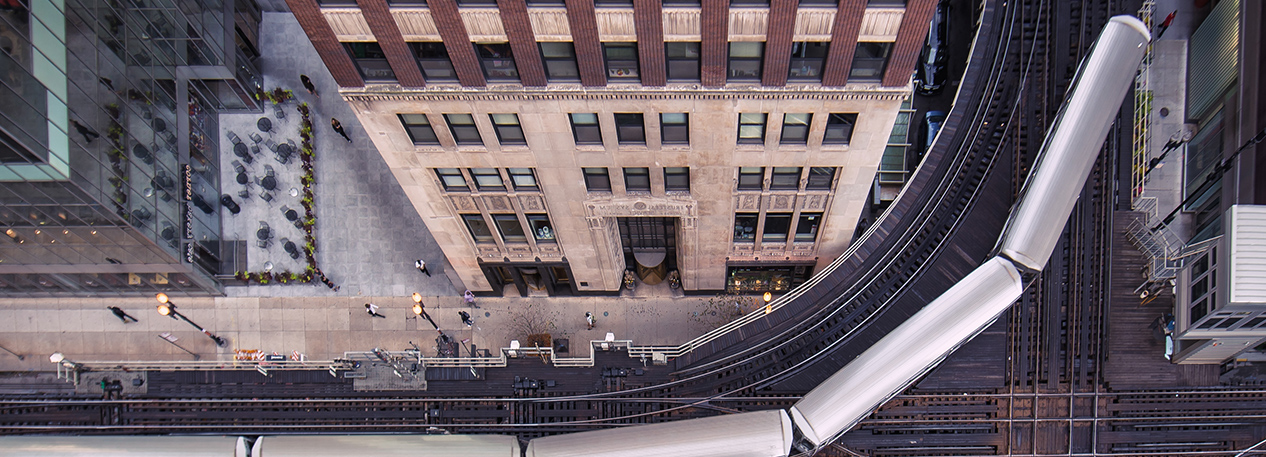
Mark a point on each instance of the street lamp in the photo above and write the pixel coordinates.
(167, 308)
(420, 311)
(768, 307)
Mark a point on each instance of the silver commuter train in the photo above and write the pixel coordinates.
(831, 408)
(1032, 230)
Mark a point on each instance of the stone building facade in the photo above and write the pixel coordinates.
(551, 147)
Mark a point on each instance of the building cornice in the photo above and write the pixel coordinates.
(391, 92)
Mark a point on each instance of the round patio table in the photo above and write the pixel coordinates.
(269, 182)
(241, 178)
(263, 234)
(264, 124)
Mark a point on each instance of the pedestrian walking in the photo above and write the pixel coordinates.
(466, 318)
(121, 314)
(421, 266)
(590, 319)
(88, 133)
(372, 309)
(307, 84)
(1169, 20)
(470, 298)
(338, 127)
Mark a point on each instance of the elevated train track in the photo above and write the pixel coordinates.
(1053, 401)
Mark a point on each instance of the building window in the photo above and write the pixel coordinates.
(508, 129)
(487, 178)
(677, 179)
(807, 228)
(869, 61)
(541, 228)
(745, 226)
(452, 179)
(630, 128)
(419, 128)
(405, 2)
(637, 179)
(614, 3)
(433, 58)
(560, 61)
(674, 128)
(751, 128)
(839, 128)
(745, 60)
(795, 128)
(478, 227)
(597, 180)
(510, 228)
(523, 179)
(750, 178)
(371, 61)
(477, 2)
(585, 129)
(463, 128)
(819, 2)
(546, 2)
(776, 227)
(785, 178)
(621, 60)
(749, 2)
(820, 178)
(683, 61)
(498, 61)
(807, 58)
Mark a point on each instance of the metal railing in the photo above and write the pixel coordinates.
(1142, 112)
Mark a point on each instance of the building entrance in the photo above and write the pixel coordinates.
(550, 279)
(650, 246)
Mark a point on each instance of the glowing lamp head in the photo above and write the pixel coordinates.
(57, 357)
(767, 297)
(417, 309)
(417, 298)
(162, 298)
(165, 310)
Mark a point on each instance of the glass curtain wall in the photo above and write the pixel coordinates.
(92, 152)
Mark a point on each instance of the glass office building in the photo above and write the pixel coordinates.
(109, 142)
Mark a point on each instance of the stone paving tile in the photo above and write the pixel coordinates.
(368, 233)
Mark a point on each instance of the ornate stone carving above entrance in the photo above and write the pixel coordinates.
(682, 208)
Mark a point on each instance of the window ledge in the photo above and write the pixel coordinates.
(834, 147)
(750, 147)
(590, 148)
(634, 148)
(675, 147)
(461, 148)
(515, 148)
(429, 148)
(794, 147)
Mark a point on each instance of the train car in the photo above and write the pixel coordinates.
(754, 434)
(122, 446)
(386, 446)
(907, 353)
(1073, 143)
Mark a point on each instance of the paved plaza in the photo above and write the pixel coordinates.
(368, 233)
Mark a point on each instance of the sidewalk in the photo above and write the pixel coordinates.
(321, 328)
